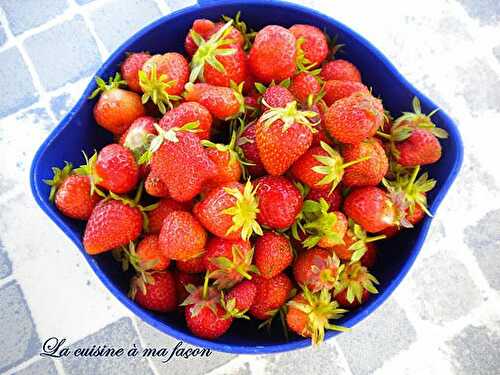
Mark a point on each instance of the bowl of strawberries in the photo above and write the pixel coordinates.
(248, 176)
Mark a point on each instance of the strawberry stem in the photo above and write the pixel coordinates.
(384, 135)
(346, 165)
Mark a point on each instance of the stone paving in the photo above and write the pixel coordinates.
(443, 319)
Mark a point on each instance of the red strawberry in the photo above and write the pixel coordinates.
(283, 135)
(303, 86)
(356, 244)
(367, 172)
(308, 315)
(193, 265)
(273, 254)
(354, 284)
(139, 135)
(355, 118)
(317, 269)
(334, 198)
(116, 109)
(313, 44)
(182, 279)
(340, 70)
(243, 295)
(335, 90)
(229, 211)
(280, 202)
(189, 112)
(112, 224)
(226, 161)
(154, 186)
(272, 56)
(148, 250)
(206, 28)
(369, 259)
(248, 146)
(223, 102)
(72, 193)
(182, 237)
(276, 97)
(271, 295)
(130, 69)
(157, 293)
(421, 148)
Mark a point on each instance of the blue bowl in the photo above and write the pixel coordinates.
(78, 131)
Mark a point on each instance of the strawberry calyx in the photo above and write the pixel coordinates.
(155, 88)
(231, 148)
(289, 115)
(202, 297)
(244, 212)
(241, 26)
(320, 309)
(325, 272)
(138, 141)
(359, 248)
(238, 94)
(140, 282)
(229, 272)
(302, 62)
(113, 82)
(231, 309)
(319, 223)
(128, 256)
(59, 176)
(208, 50)
(355, 278)
(89, 169)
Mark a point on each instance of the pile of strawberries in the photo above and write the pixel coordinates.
(251, 179)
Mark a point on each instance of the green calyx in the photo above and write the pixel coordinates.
(102, 86)
(303, 64)
(127, 256)
(244, 212)
(248, 34)
(155, 88)
(356, 278)
(320, 309)
(201, 297)
(231, 310)
(88, 169)
(238, 94)
(234, 156)
(319, 223)
(359, 248)
(59, 176)
(140, 282)
(208, 51)
(229, 272)
(289, 115)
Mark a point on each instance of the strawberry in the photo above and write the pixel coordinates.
(71, 193)
(154, 186)
(369, 259)
(228, 261)
(130, 69)
(182, 279)
(239, 299)
(317, 269)
(188, 112)
(340, 70)
(157, 293)
(283, 135)
(182, 237)
(368, 172)
(355, 244)
(334, 198)
(276, 97)
(308, 315)
(148, 250)
(273, 254)
(113, 223)
(247, 147)
(206, 28)
(116, 108)
(271, 295)
(336, 89)
(355, 282)
(312, 43)
(371, 207)
(193, 265)
(223, 103)
(355, 118)
(272, 56)
(139, 135)
(303, 86)
(229, 211)
(280, 202)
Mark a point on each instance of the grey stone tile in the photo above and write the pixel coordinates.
(19, 340)
(31, 13)
(44, 366)
(16, 83)
(378, 338)
(484, 241)
(115, 21)
(61, 105)
(5, 265)
(496, 52)
(179, 4)
(3, 37)
(475, 351)
(153, 338)
(118, 334)
(77, 54)
(486, 11)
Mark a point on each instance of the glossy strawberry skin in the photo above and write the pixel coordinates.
(160, 296)
(315, 45)
(369, 172)
(421, 148)
(302, 169)
(303, 85)
(335, 90)
(148, 249)
(341, 298)
(174, 66)
(273, 254)
(116, 110)
(130, 69)
(155, 187)
(182, 237)
(111, 224)
(271, 295)
(235, 68)
(276, 97)
(220, 101)
(206, 323)
(342, 250)
(370, 207)
(244, 294)
(340, 70)
(272, 56)
(279, 202)
(370, 257)
(193, 265)
(296, 319)
(220, 247)
(304, 268)
(117, 169)
(73, 197)
(181, 280)
(334, 199)
(188, 112)
(228, 168)
(248, 144)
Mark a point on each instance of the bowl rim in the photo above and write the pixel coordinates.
(172, 331)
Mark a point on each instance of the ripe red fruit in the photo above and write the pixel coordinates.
(116, 169)
(206, 28)
(356, 244)
(317, 269)
(334, 198)
(223, 103)
(304, 85)
(226, 161)
(272, 56)
(335, 90)
(313, 44)
(188, 112)
(243, 295)
(193, 265)
(371, 207)
(248, 145)
(139, 135)
(271, 295)
(340, 70)
(155, 187)
(370, 257)
(421, 148)
(130, 69)
(148, 251)
(112, 224)
(273, 254)
(182, 237)
(279, 202)
(355, 282)
(355, 118)
(276, 97)
(182, 279)
(158, 294)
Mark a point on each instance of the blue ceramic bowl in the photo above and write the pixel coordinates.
(78, 131)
